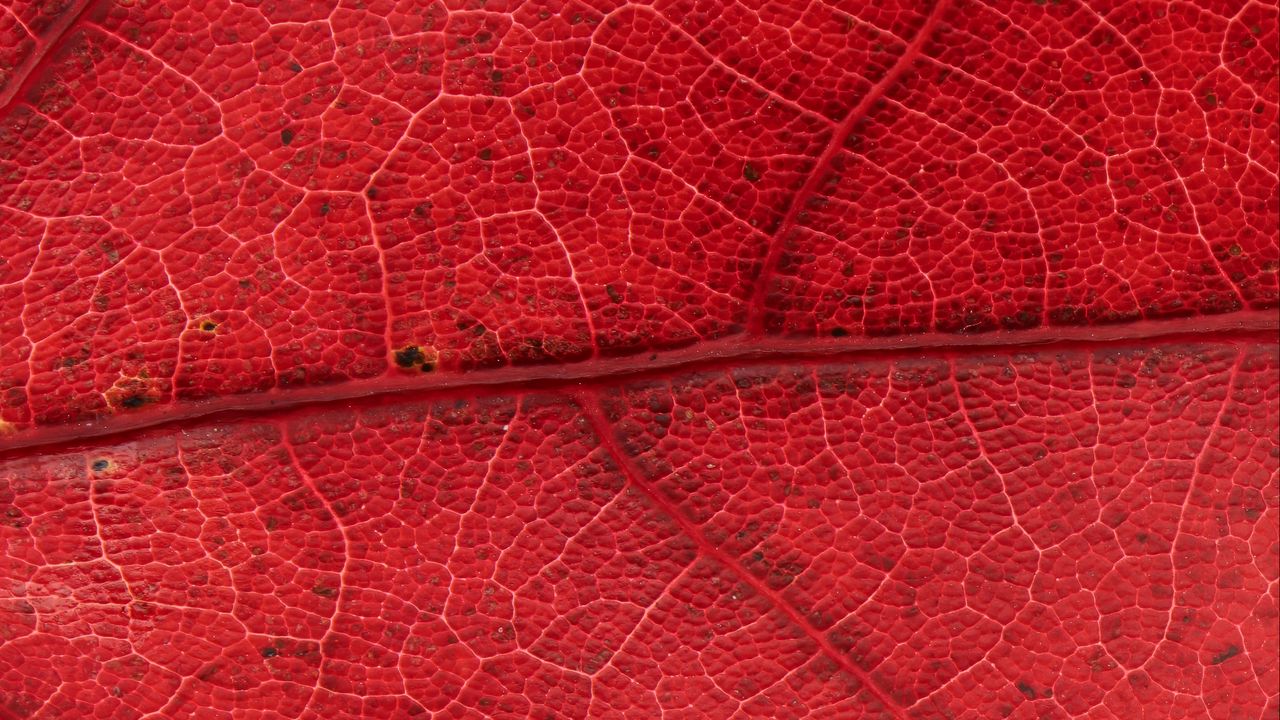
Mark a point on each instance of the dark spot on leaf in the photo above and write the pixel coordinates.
(839, 332)
(295, 67)
(485, 153)
(1026, 689)
(750, 172)
(407, 357)
(100, 465)
(133, 401)
(1225, 655)
(269, 652)
(1068, 315)
(208, 326)
(286, 136)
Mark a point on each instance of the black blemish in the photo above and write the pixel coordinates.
(485, 153)
(1026, 689)
(371, 193)
(269, 652)
(100, 465)
(750, 172)
(407, 357)
(1020, 320)
(324, 591)
(133, 401)
(614, 295)
(1225, 655)
(427, 367)
(295, 67)
(286, 136)
(324, 209)
(209, 326)
(839, 332)
(1126, 381)
(1068, 315)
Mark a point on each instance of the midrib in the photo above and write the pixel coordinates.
(733, 351)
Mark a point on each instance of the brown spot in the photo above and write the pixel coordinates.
(1225, 655)
(409, 356)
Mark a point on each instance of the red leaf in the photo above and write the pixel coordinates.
(697, 360)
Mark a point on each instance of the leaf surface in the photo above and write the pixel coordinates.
(689, 359)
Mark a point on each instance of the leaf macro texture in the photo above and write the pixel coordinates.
(682, 359)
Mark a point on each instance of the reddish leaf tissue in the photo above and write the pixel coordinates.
(685, 359)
